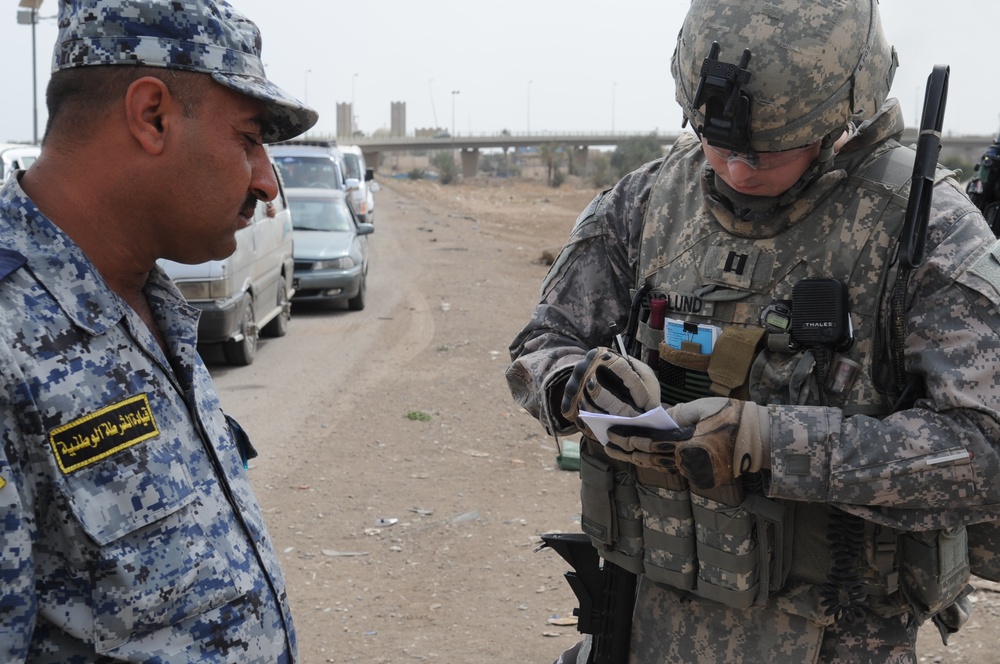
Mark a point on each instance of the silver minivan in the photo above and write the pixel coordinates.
(308, 163)
(248, 294)
(360, 183)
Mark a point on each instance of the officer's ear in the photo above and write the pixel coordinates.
(149, 109)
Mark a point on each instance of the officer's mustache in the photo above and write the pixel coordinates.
(249, 205)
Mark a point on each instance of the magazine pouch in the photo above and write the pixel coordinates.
(740, 546)
(610, 512)
(934, 569)
(667, 528)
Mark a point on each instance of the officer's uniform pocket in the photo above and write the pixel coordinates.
(152, 565)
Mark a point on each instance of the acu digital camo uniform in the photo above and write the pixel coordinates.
(667, 223)
(127, 524)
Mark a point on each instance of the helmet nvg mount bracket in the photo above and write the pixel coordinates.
(727, 105)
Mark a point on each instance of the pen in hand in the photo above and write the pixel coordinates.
(619, 342)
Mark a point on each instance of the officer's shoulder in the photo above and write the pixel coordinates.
(10, 262)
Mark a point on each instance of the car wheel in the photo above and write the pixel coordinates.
(357, 303)
(241, 353)
(279, 324)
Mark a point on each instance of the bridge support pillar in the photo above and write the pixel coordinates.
(578, 159)
(373, 158)
(470, 162)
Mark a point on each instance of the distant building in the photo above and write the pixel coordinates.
(345, 123)
(397, 114)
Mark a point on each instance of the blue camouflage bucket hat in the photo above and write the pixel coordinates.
(195, 35)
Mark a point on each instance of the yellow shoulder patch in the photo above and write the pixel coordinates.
(96, 436)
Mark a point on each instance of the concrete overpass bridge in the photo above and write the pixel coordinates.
(577, 144)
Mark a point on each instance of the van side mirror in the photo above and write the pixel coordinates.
(369, 174)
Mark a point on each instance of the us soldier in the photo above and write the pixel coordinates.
(128, 529)
(809, 507)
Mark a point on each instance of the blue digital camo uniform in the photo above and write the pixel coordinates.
(127, 525)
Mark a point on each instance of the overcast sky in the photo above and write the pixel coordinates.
(520, 65)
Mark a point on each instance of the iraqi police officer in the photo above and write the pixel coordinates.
(128, 528)
(838, 415)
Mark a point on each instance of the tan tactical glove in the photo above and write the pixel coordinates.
(730, 438)
(643, 446)
(606, 382)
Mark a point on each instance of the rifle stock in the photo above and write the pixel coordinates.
(605, 591)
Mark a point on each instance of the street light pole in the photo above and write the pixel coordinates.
(529, 107)
(613, 88)
(453, 93)
(29, 10)
(306, 86)
(433, 110)
(34, 79)
(354, 80)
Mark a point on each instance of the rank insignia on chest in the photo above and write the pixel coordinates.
(99, 435)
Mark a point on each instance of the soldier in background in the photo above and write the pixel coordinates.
(128, 528)
(810, 507)
(984, 188)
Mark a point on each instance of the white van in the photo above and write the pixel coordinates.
(249, 293)
(16, 156)
(309, 163)
(361, 183)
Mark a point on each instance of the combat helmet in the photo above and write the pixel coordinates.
(789, 73)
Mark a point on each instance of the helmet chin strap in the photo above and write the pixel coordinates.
(753, 208)
(822, 163)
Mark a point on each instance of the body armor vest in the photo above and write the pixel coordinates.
(713, 268)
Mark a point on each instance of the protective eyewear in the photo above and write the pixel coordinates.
(761, 161)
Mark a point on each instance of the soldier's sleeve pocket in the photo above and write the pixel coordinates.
(983, 275)
(154, 565)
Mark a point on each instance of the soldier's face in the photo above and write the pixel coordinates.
(770, 174)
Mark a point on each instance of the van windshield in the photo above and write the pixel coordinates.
(317, 172)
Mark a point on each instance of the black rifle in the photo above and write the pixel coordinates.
(918, 210)
(606, 593)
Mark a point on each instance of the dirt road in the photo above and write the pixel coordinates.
(403, 488)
